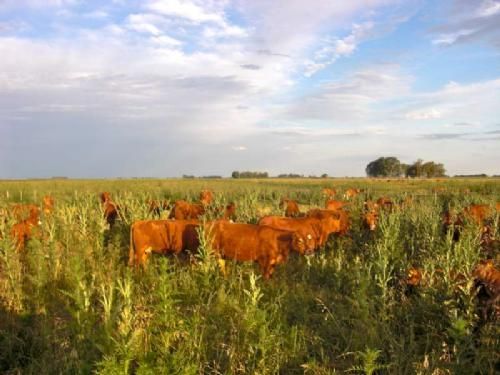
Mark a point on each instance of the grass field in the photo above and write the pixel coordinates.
(70, 304)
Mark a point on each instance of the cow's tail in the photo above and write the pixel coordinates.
(131, 255)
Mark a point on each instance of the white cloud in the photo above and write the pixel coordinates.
(239, 148)
(186, 9)
(427, 114)
(337, 48)
(488, 8)
(447, 39)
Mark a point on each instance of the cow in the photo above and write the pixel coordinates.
(351, 193)
(478, 213)
(26, 229)
(329, 193)
(111, 209)
(183, 210)
(206, 197)
(48, 204)
(334, 205)
(22, 212)
(341, 215)
(315, 230)
(370, 219)
(385, 203)
(230, 211)
(412, 281)
(487, 284)
(450, 220)
(248, 242)
(291, 207)
(161, 236)
(157, 206)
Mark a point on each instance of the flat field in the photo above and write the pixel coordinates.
(69, 303)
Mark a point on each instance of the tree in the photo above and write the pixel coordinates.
(235, 174)
(385, 167)
(426, 170)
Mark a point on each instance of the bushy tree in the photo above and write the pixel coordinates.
(249, 174)
(426, 170)
(385, 167)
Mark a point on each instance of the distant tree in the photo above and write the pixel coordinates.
(324, 175)
(385, 167)
(426, 170)
(188, 176)
(249, 174)
(290, 175)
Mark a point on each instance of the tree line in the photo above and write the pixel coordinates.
(391, 167)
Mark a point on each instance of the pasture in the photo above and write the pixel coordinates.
(69, 303)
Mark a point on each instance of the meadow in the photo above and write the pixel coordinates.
(69, 303)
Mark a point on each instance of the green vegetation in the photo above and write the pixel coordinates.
(392, 167)
(70, 304)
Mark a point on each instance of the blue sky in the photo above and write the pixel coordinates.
(171, 87)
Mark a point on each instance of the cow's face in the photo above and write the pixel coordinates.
(370, 220)
(414, 277)
(303, 244)
(206, 197)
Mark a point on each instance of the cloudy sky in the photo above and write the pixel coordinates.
(170, 87)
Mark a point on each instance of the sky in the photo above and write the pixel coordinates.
(162, 88)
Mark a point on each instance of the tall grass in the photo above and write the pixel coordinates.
(70, 304)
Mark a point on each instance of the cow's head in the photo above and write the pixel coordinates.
(302, 243)
(370, 219)
(105, 197)
(206, 197)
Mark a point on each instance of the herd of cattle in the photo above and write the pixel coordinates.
(270, 241)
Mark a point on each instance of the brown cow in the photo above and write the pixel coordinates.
(230, 211)
(478, 213)
(385, 203)
(25, 211)
(341, 215)
(24, 230)
(206, 197)
(248, 242)
(334, 205)
(48, 204)
(370, 219)
(111, 209)
(351, 193)
(105, 196)
(487, 284)
(183, 210)
(291, 207)
(161, 236)
(328, 193)
(315, 230)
